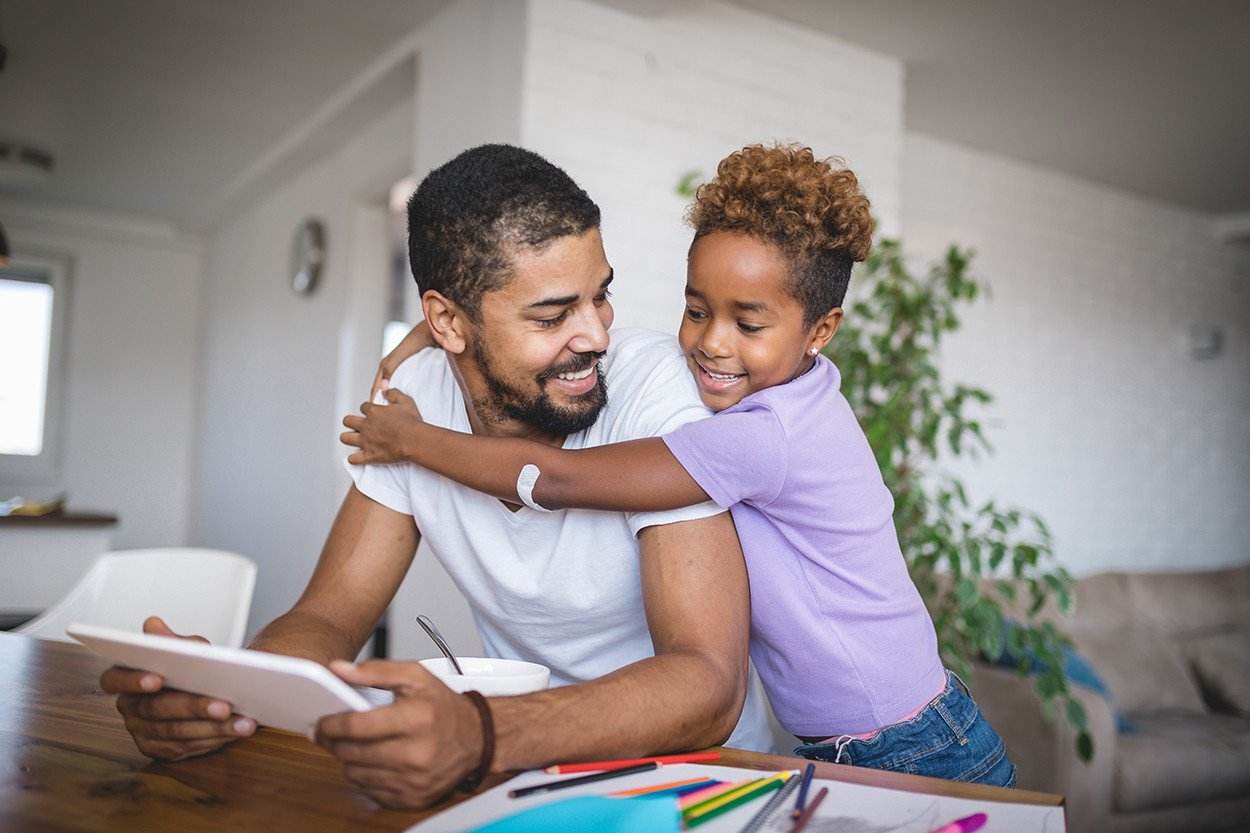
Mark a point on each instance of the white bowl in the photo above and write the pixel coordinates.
(492, 677)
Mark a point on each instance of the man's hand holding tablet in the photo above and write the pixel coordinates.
(410, 753)
(169, 724)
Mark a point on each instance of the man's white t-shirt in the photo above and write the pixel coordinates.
(559, 588)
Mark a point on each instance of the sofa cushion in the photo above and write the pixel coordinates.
(1143, 668)
(1189, 603)
(1102, 603)
(1221, 662)
(1180, 758)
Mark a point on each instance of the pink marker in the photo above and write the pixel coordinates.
(965, 825)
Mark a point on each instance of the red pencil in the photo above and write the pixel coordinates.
(594, 766)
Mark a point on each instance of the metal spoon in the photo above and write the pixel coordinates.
(427, 624)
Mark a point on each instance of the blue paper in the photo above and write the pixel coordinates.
(594, 814)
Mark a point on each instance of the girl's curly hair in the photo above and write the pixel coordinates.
(812, 209)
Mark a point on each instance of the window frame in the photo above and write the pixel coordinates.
(43, 470)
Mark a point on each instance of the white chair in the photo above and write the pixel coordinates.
(196, 591)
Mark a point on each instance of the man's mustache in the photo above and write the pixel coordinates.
(579, 362)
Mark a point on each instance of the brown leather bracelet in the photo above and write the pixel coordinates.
(488, 741)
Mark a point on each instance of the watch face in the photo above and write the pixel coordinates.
(307, 254)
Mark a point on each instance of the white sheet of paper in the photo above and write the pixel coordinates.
(848, 808)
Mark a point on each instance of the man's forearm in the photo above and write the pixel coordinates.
(667, 703)
(301, 634)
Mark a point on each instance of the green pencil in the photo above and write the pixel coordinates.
(732, 792)
(696, 815)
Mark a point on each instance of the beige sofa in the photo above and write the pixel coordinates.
(1174, 651)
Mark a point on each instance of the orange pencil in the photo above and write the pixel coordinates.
(593, 766)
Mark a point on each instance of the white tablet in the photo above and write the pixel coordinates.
(284, 692)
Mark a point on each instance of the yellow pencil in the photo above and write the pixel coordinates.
(749, 788)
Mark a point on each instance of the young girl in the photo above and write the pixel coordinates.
(840, 637)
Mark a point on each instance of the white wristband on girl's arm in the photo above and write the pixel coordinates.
(525, 486)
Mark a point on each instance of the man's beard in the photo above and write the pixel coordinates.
(539, 410)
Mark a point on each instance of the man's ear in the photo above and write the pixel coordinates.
(448, 322)
(822, 332)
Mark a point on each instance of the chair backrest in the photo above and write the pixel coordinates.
(196, 591)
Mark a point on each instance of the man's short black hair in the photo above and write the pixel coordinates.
(469, 216)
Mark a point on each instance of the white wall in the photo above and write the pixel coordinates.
(130, 365)
(1138, 455)
(627, 104)
(470, 59)
(269, 475)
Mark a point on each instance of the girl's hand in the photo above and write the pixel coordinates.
(384, 432)
(418, 339)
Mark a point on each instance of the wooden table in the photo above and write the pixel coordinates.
(67, 764)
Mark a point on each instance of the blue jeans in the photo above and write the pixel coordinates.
(948, 739)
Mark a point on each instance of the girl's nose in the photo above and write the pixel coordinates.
(714, 344)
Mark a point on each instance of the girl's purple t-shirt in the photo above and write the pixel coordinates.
(838, 630)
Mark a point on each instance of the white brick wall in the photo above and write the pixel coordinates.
(1138, 455)
(627, 104)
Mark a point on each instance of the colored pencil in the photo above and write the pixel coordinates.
(799, 804)
(770, 807)
(744, 788)
(690, 799)
(732, 791)
(551, 786)
(802, 820)
(672, 785)
(723, 804)
(594, 766)
(681, 792)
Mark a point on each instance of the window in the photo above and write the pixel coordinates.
(32, 298)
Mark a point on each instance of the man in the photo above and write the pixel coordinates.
(643, 616)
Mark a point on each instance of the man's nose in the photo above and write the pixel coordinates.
(591, 335)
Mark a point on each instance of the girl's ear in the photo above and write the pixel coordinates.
(823, 330)
(448, 323)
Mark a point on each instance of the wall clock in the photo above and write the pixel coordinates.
(308, 254)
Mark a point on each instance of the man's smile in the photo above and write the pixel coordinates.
(576, 382)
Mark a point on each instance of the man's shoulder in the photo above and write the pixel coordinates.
(641, 340)
(426, 377)
(650, 391)
(634, 354)
(420, 366)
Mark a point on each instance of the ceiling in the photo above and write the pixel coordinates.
(156, 107)
(152, 107)
(1148, 95)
